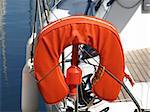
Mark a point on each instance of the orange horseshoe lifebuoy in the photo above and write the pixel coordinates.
(55, 37)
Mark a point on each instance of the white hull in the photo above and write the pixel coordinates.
(30, 93)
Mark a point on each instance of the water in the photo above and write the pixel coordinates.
(15, 28)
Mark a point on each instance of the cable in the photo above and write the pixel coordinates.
(110, 3)
(121, 83)
(54, 14)
(45, 11)
(98, 4)
(34, 31)
(105, 109)
(88, 7)
(56, 4)
(40, 14)
(128, 7)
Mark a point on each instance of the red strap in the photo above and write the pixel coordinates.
(129, 78)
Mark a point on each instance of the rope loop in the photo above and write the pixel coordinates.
(98, 75)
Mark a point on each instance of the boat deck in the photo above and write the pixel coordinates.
(138, 64)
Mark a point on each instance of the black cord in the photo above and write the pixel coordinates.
(110, 3)
(121, 83)
(34, 31)
(88, 7)
(105, 109)
(98, 4)
(45, 12)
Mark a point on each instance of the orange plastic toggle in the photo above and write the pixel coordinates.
(74, 75)
(73, 90)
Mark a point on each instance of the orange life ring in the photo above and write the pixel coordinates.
(55, 37)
